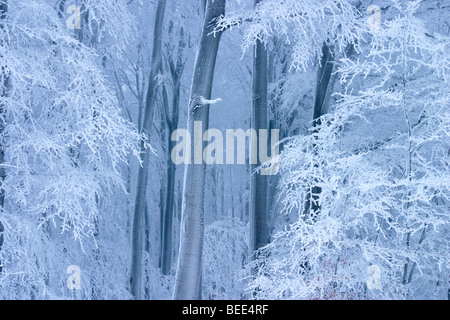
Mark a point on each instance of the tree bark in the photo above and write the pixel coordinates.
(312, 205)
(259, 235)
(139, 208)
(4, 91)
(188, 276)
(166, 247)
(323, 81)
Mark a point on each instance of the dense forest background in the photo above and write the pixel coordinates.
(353, 95)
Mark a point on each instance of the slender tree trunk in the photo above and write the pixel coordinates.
(188, 276)
(166, 247)
(259, 231)
(166, 241)
(147, 293)
(323, 81)
(4, 91)
(139, 208)
(312, 206)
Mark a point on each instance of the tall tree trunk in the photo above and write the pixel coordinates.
(166, 247)
(259, 235)
(323, 82)
(4, 91)
(141, 191)
(312, 205)
(188, 276)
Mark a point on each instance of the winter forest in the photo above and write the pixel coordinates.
(224, 149)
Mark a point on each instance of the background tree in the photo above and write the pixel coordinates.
(259, 231)
(4, 85)
(147, 116)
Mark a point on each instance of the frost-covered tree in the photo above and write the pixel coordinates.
(189, 267)
(4, 91)
(65, 143)
(358, 89)
(225, 249)
(146, 126)
(381, 160)
(304, 24)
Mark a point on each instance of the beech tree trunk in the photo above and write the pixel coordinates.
(172, 124)
(141, 191)
(312, 206)
(188, 276)
(4, 91)
(259, 231)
